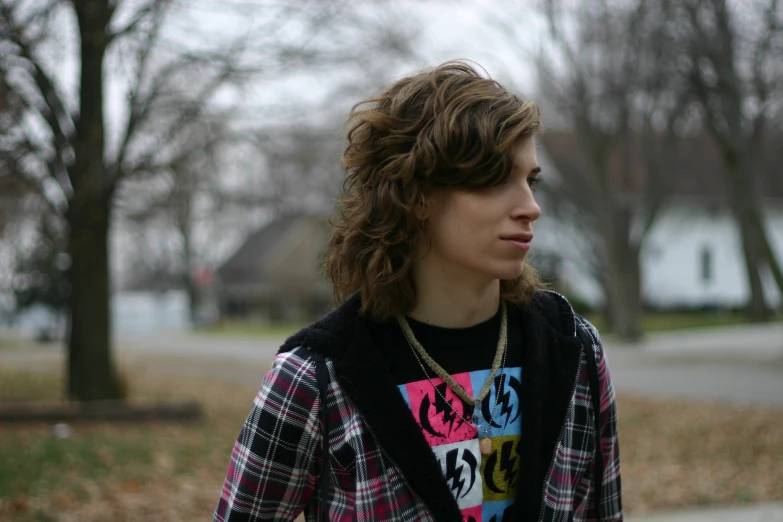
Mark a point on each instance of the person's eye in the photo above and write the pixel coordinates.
(533, 181)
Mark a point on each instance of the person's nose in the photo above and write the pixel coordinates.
(526, 207)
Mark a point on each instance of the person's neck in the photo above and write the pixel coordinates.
(453, 302)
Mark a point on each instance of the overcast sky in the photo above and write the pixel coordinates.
(446, 30)
(443, 30)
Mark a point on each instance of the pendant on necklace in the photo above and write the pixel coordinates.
(485, 445)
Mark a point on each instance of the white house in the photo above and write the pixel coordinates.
(692, 256)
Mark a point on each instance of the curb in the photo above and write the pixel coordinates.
(765, 512)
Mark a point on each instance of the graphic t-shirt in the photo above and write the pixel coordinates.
(484, 486)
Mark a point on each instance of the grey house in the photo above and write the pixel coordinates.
(277, 274)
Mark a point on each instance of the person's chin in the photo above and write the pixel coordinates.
(512, 272)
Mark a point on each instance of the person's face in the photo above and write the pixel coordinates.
(488, 231)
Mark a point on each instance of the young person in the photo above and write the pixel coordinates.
(449, 384)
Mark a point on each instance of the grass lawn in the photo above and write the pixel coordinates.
(118, 472)
(248, 328)
(13, 342)
(651, 322)
(665, 321)
(675, 453)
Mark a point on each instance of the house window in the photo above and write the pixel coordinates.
(706, 264)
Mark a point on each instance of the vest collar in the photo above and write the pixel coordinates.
(551, 360)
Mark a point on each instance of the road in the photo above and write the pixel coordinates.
(738, 364)
(766, 512)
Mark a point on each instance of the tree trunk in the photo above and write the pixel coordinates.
(606, 308)
(756, 307)
(607, 311)
(193, 298)
(768, 255)
(184, 217)
(90, 371)
(188, 279)
(743, 206)
(625, 297)
(91, 374)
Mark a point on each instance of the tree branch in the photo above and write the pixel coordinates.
(191, 113)
(13, 157)
(761, 52)
(54, 110)
(46, 10)
(137, 112)
(152, 9)
(60, 140)
(660, 177)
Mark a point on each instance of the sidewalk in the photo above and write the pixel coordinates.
(739, 364)
(768, 512)
(758, 342)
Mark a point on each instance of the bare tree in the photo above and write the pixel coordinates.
(76, 156)
(305, 162)
(601, 75)
(730, 55)
(13, 189)
(194, 208)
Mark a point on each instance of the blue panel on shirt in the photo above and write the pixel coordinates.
(404, 393)
(508, 415)
(496, 510)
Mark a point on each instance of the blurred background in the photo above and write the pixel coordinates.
(167, 167)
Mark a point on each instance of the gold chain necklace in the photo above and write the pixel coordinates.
(443, 374)
(485, 444)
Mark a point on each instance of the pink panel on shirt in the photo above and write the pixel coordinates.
(438, 422)
(472, 514)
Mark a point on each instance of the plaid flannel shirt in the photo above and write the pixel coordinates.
(569, 483)
(277, 457)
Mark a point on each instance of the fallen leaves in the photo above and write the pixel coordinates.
(682, 453)
(674, 453)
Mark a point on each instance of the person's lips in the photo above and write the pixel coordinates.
(520, 241)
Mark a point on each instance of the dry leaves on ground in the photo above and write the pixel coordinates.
(679, 453)
(674, 453)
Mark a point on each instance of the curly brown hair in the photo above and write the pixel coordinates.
(448, 127)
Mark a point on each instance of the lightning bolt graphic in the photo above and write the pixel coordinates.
(507, 463)
(470, 459)
(441, 406)
(448, 409)
(510, 385)
(424, 417)
(505, 400)
(453, 472)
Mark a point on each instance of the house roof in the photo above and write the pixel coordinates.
(155, 281)
(695, 162)
(244, 267)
